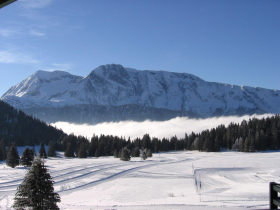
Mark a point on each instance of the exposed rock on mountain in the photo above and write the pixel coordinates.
(115, 93)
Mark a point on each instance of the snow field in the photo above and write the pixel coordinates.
(229, 180)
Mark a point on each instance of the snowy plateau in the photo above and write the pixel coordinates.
(114, 93)
(229, 180)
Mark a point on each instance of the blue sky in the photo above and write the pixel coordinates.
(235, 42)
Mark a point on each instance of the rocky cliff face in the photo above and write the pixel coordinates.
(114, 86)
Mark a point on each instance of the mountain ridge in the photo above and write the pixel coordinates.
(114, 85)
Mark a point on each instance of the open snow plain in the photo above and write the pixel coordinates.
(229, 180)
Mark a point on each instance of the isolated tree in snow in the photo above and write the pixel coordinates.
(12, 157)
(51, 150)
(27, 157)
(125, 154)
(143, 153)
(36, 191)
(69, 152)
(42, 151)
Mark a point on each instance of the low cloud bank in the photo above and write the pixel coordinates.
(177, 126)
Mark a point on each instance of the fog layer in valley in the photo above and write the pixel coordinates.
(177, 126)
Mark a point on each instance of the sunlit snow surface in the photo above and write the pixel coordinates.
(229, 180)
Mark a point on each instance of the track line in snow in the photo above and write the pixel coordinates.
(116, 175)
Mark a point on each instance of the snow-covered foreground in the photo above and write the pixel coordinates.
(166, 181)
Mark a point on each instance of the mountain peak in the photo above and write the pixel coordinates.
(114, 72)
(115, 85)
(47, 75)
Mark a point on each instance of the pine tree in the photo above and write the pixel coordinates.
(216, 144)
(3, 150)
(69, 152)
(98, 151)
(26, 158)
(263, 141)
(1, 155)
(51, 150)
(93, 146)
(125, 154)
(12, 157)
(246, 144)
(33, 152)
(42, 151)
(136, 152)
(82, 152)
(120, 154)
(144, 153)
(36, 191)
(97, 154)
(240, 145)
(116, 153)
(274, 138)
(146, 141)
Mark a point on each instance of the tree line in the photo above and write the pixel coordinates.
(248, 136)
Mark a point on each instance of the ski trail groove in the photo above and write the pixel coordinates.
(115, 175)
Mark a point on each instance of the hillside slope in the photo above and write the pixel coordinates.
(16, 126)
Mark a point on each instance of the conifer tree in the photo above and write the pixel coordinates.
(120, 154)
(125, 154)
(51, 150)
(36, 191)
(12, 157)
(246, 144)
(1, 155)
(216, 144)
(116, 153)
(97, 154)
(3, 150)
(133, 152)
(26, 158)
(136, 152)
(263, 142)
(274, 138)
(82, 151)
(143, 153)
(93, 146)
(98, 151)
(69, 152)
(42, 151)
(33, 152)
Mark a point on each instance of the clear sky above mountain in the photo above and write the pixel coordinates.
(235, 42)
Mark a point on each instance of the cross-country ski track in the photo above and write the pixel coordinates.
(174, 180)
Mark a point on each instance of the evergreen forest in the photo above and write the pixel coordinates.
(19, 129)
(22, 129)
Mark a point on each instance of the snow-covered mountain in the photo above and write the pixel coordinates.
(113, 86)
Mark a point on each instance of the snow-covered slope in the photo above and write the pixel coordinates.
(229, 181)
(41, 90)
(114, 85)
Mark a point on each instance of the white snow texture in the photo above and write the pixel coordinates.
(114, 85)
